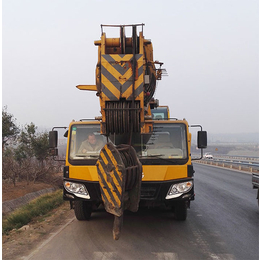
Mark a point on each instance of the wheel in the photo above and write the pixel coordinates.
(82, 210)
(180, 211)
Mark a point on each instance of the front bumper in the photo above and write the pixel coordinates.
(152, 193)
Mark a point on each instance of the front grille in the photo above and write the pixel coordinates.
(149, 191)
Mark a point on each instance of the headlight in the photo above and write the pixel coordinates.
(77, 189)
(178, 189)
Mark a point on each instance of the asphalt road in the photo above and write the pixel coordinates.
(222, 223)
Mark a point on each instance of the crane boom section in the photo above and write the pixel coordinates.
(125, 82)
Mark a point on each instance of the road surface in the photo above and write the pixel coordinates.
(222, 223)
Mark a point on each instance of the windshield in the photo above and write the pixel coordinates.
(85, 142)
(160, 113)
(167, 141)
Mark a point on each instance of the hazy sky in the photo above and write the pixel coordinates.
(210, 49)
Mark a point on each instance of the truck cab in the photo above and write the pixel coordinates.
(167, 171)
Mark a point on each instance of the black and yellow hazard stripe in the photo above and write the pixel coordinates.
(112, 179)
(117, 76)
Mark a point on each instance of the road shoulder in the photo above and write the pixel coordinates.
(20, 243)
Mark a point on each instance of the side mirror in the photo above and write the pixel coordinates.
(53, 139)
(53, 142)
(202, 139)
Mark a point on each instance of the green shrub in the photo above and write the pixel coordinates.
(35, 208)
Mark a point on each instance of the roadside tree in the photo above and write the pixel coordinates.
(9, 128)
(35, 147)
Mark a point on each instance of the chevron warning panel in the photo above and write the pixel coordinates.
(117, 76)
(111, 174)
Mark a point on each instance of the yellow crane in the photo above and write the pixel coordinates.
(145, 157)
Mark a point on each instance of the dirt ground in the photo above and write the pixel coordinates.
(21, 242)
(9, 192)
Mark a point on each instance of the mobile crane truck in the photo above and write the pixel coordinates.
(145, 157)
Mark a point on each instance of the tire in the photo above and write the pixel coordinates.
(180, 211)
(82, 210)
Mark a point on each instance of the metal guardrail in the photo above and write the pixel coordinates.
(236, 161)
(243, 158)
(239, 164)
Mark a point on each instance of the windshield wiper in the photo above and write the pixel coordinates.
(86, 155)
(154, 155)
(158, 156)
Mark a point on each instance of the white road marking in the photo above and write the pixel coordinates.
(166, 256)
(104, 255)
(222, 257)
